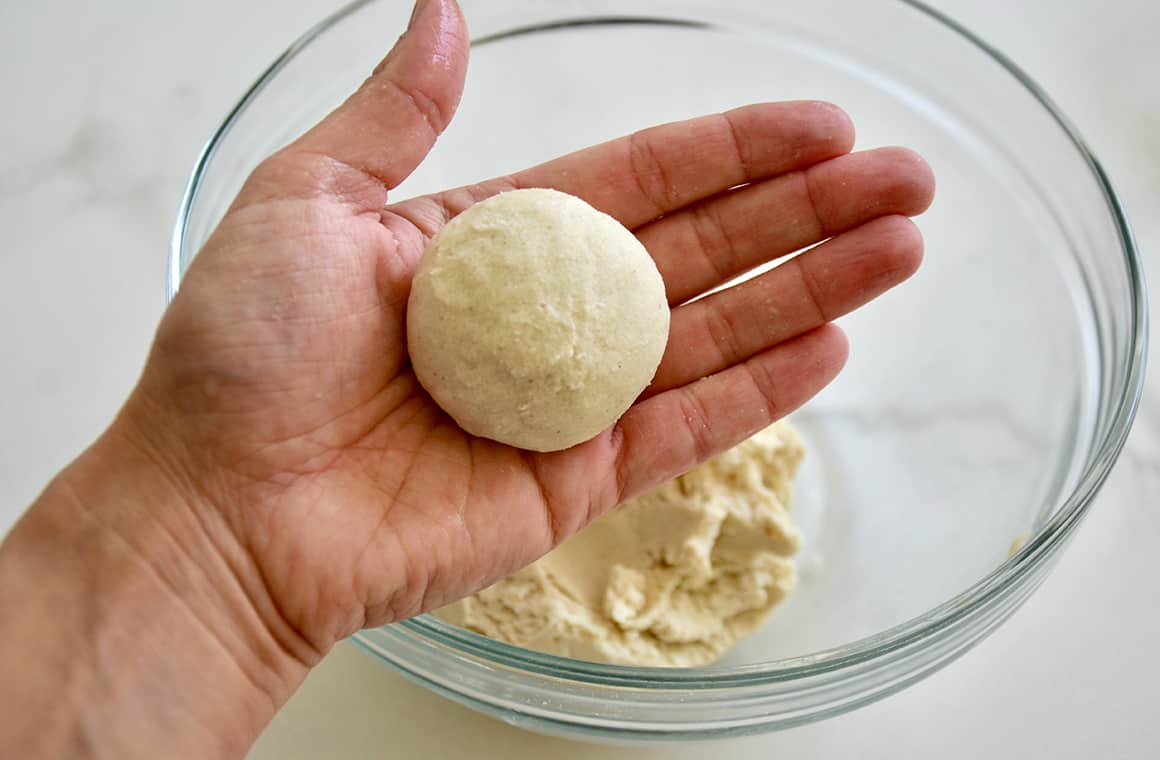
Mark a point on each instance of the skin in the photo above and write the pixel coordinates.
(278, 479)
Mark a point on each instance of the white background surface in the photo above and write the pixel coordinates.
(104, 108)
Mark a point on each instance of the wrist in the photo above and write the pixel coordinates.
(138, 623)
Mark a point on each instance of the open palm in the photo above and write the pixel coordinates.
(281, 367)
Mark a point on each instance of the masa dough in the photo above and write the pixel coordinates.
(535, 320)
(672, 578)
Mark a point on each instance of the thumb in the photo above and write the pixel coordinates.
(391, 122)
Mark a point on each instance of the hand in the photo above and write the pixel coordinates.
(279, 392)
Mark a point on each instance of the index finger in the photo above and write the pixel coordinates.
(653, 172)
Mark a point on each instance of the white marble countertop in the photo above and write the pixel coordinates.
(105, 107)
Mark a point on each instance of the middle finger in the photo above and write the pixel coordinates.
(822, 284)
(725, 236)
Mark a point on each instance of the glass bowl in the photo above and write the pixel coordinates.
(984, 402)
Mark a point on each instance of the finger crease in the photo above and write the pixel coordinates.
(812, 288)
(426, 106)
(823, 230)
(620, 456)
(723, 332)
(766, 386)
(738, 149)
(555, 529)
(711, 238)
(696, 421)
(653, 184)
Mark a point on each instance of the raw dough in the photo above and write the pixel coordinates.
(672, 578)
(535, 320)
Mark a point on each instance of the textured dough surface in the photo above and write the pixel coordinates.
(672, 578)
(535, 320)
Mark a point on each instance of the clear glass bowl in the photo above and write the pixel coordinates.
(984, 403)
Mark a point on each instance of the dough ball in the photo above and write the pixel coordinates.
(535, 320)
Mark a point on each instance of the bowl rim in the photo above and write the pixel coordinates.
(962, 606)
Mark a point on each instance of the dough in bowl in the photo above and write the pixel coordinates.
(535, 320)
(672, 578)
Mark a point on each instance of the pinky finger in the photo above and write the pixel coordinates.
(670, 433)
